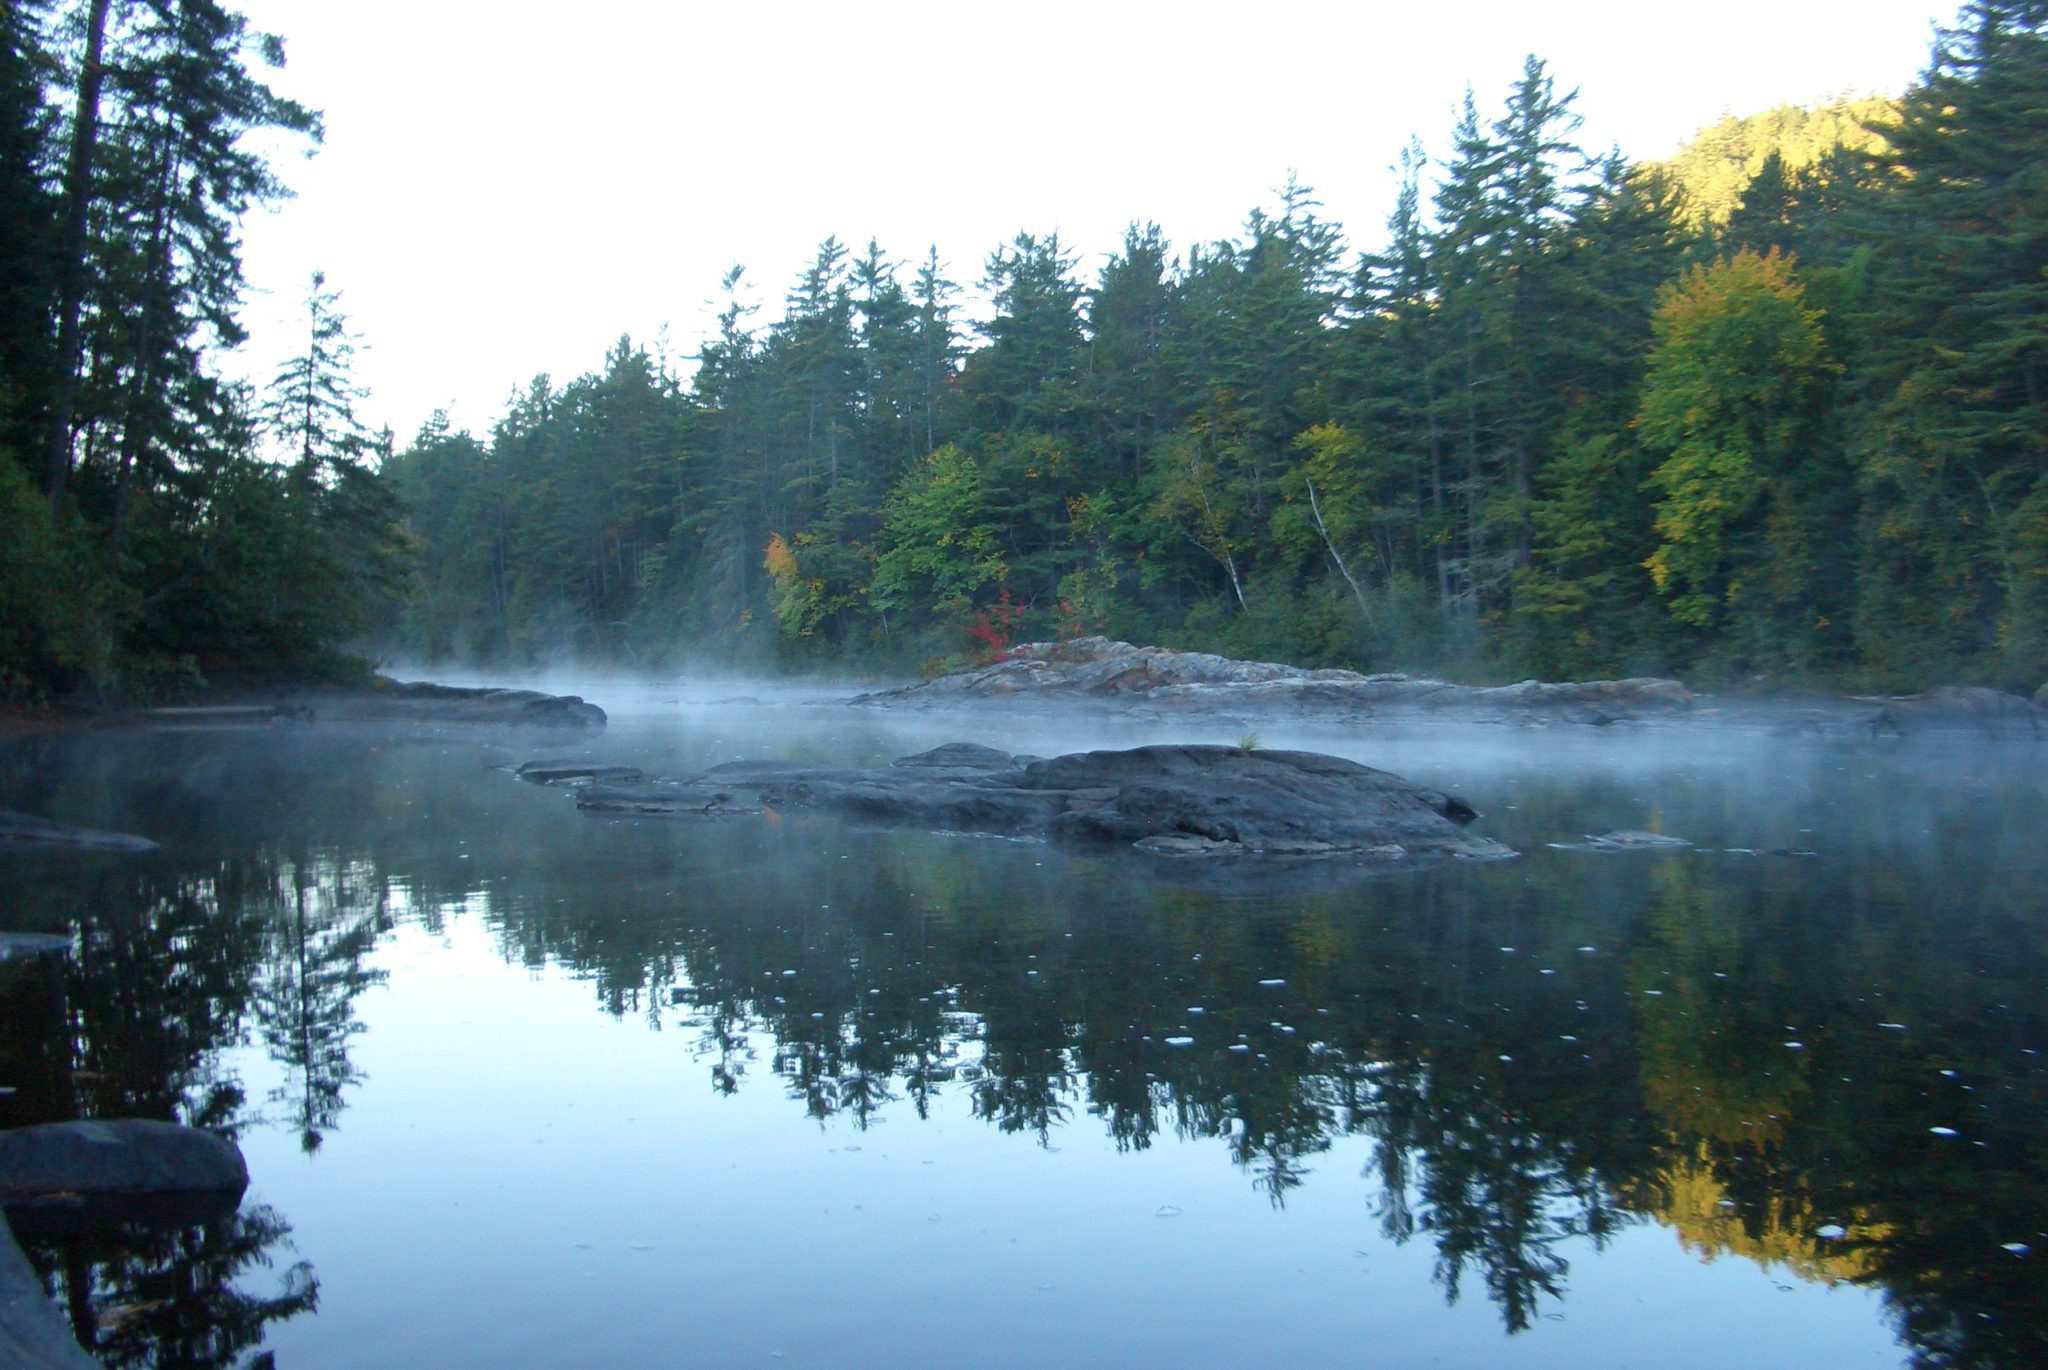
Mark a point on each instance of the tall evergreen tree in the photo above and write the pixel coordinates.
(311, 405)
(1951, 438)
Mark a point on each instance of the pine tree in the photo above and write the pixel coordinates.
(1951, 434)
(311, 405)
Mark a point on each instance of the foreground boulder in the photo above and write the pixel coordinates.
(1168, 801)
(1096, 668)
(58, 1174)
(63, 1179)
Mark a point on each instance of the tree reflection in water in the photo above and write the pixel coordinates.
(169, 972)
(1521, 1095)
(321, 921)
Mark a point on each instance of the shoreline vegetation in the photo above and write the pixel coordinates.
(1767, 416)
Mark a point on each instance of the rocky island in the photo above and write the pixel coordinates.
(1165, 801)
(1097, 672)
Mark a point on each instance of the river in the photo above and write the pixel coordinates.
(523, 1086)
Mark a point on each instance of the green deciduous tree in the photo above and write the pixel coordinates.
(937, 546)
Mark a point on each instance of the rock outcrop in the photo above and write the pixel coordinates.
(394, 701)
(1095, 668)
(1173, 801)
(1099, 672)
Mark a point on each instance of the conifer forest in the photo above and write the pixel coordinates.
(1772, 414)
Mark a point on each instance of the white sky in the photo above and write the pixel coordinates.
(505, 189)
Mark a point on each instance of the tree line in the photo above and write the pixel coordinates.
(158, 522)
(1770, 412)
(1576, 416)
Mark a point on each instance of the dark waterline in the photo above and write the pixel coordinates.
(519, 1086)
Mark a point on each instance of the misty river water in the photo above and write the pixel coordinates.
(522, 1086)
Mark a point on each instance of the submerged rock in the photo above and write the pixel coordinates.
(577, 772)
(27, 830)
(966, 756)
(1625, 839)
(1173, 801)
(1100, 669)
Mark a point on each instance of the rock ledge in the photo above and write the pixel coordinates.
(1167, 801)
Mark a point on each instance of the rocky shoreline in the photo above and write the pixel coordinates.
(1099, 673)
(383, 700)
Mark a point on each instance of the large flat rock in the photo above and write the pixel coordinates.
(1165, 801)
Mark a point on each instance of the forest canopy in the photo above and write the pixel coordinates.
(1769, 412)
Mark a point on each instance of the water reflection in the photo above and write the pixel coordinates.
(320, 922)
(1705, 1040)
(170, 970)
(1827, 1066)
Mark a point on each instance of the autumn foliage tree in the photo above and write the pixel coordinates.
(1734, 403)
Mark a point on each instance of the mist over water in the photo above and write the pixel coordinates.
(519, 1085)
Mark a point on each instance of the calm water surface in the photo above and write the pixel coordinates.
(519, 1086)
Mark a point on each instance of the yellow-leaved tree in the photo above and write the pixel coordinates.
(1734, 407)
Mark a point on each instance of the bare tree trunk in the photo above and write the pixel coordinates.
(1315, 507)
